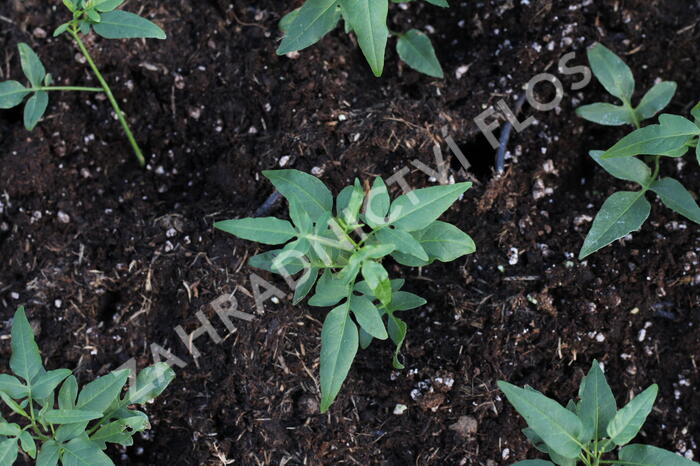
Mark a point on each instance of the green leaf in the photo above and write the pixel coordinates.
(31, 64)
(106, 5)
(645, 455)
(69, 4)
(10, 430)
(83, 452)
(556, 425)
(339, 343)
(35, 108)
(329, 290)
(305, 284)
(598, 404)
(606, 114)
(404, 301)
(417, 51)
(368, 20)
(71, 416)
(13, 387)
(68, 432)
(49, 454)
(84, 27)
(383, 292)
(656, 99)
(304, 189)
(418, 209)
(12, 404)
(114, 432)
(266, 261)
(267, 230)
(349, 202)
(47, 383)
(93, 15)
(403, 241)
(615, 76)
(287, 20)
(8, 451)
(628, 169)
(621, 214)
(397, 332)
(629, 420)
(300, 218)
(28, 445)
(674, 195)
(365, 339)
(666, 138)
(150, 383)
(374, 273)
(440, 3)
(12, 94)
(25, 360)
(368, 317)
(68, 393)
(314, 19)
(61, 29)
(99, 394)
(378, 203)
(445, 242)
(120, 24)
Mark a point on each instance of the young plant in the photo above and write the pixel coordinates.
(626, 211)
(69, 424)
(108, 22)
(345, 244)
(306, 25)
(587, 431)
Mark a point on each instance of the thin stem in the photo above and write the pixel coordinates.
(635, 117)
(120, 115)
(65, 88)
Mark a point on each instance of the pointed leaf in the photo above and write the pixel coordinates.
(378, 202)
(71, 416)
(598, 404)
(35, 108)
(12, 94)
(556, 425)
(304, 189)
(339, 342)
(47, 383)
(312, 21)
(83, 452)
(267, 230)
(615, 76)
(68, 393)
(404, 301)
(8, 451)
(49, 454)
(668, 138)
(445, 242)
(99, 394)
(621, 214)
(31, 64)
(329, 290)
(305, 284)
(106, 5)
(674, 195)
(368, 20)
(606, 114)
(629, 420)
(403, 241)
(645, 455)
(656, 99)
(13, 387)
(397, 329)
(28, 445)
(150, 383)
(368, 317)
(418, 209)
(417, 51)
(120, 24)
(628, 169)
(25, 360)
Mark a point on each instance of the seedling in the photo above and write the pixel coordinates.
(626, 211)
(306, 25)
(352, 242)
(108, 22)
(70, 425)
(586, 432)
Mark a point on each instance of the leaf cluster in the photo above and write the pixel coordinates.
(586, 431)
(71, 424)
(306, 25)
(104, 18)
(341, 250)
(626, 211)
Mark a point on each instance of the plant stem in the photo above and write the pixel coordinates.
(120, 115)
(66, 88)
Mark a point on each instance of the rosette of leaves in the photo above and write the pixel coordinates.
(306, 25)
(587, 431)
(339, 247)
(626, 211)
(70, 425)
(102, 17)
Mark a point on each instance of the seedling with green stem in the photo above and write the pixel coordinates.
(70, 425)
(626, 211)
(588, 431)
(306, 25)
(101, 16)
(342, 244)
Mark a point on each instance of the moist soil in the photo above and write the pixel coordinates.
(109, 258)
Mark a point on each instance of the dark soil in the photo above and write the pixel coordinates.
(214, 106)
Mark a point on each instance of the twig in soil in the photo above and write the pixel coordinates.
(505, 136)
(268, 205)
